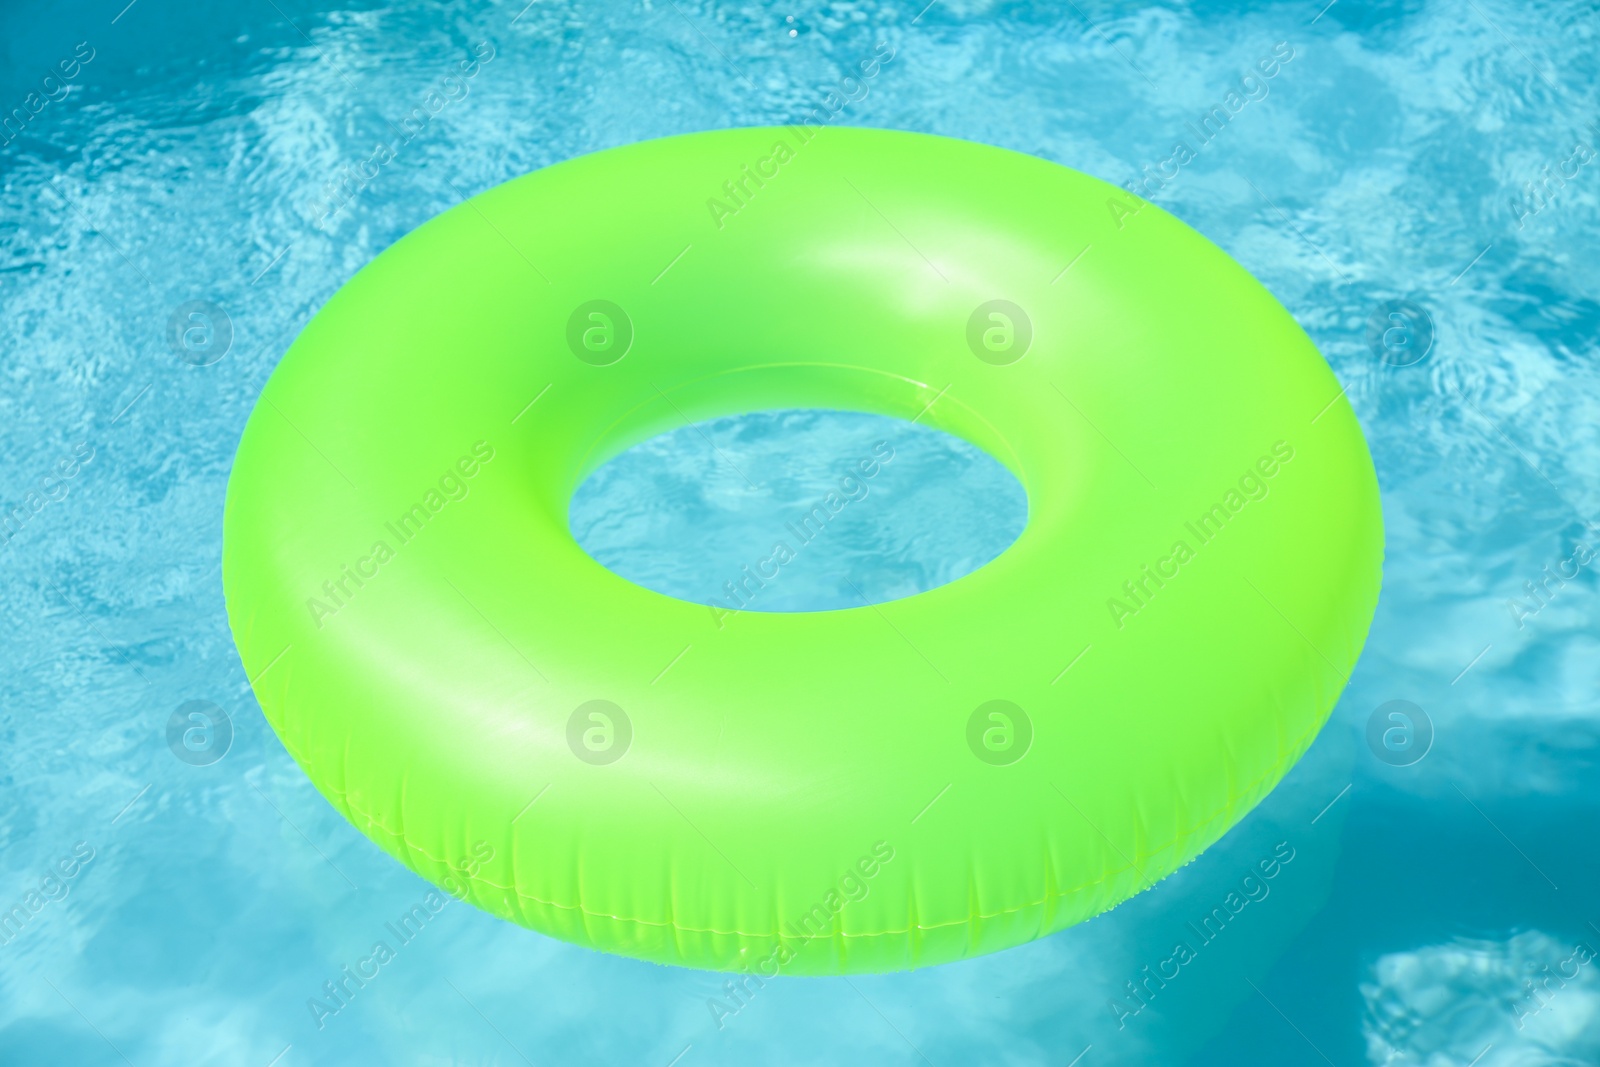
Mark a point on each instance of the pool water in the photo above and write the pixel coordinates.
(181, 188)
(798, 511)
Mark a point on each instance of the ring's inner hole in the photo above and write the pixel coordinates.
(801, 510)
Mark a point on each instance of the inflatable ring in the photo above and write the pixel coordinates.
(874, 788)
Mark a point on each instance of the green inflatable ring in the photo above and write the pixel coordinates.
(869, 789)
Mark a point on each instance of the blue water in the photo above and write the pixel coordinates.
(169, 219)
(798, 511)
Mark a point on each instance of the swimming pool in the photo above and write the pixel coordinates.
(183, 191)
